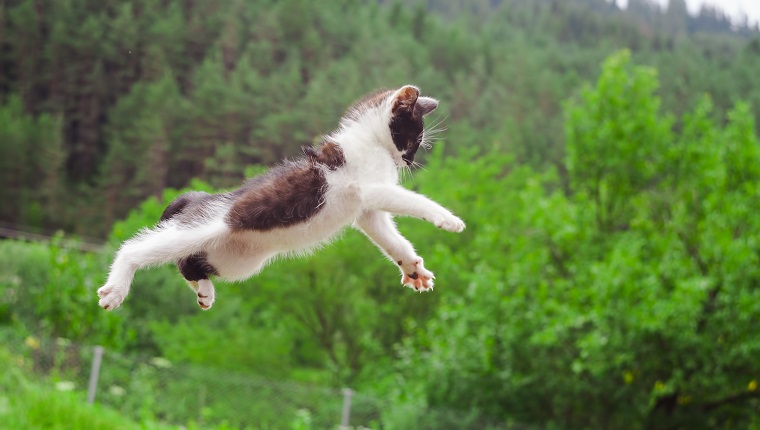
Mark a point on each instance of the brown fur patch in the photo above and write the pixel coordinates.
(286, 195)
(328, 154)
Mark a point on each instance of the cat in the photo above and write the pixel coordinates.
(351, 178)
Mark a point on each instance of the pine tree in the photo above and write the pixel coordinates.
(142, 129)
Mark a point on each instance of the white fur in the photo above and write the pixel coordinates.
(363, 193)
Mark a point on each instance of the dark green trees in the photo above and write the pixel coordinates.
(32, 161)
(253, 81)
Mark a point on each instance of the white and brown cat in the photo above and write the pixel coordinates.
(352, 178)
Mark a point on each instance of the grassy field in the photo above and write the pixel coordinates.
(29, 404)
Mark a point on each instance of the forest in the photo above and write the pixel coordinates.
(606, 162)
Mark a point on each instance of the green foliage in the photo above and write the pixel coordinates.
(58, 282)
(608, 277)
(641, 320)
(99, 113)
(31, 162)
(232, 338)
(28, 404)
(618, 291)
(616, 136)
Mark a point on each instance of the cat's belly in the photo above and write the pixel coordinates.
(235, 261)
(243, 254)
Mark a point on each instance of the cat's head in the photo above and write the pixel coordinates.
(406, 124)
(401, 120)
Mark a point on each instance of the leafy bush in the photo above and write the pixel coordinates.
(629, 300)
(49, 290)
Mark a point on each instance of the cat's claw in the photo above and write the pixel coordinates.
(417, 277)
(111, 297)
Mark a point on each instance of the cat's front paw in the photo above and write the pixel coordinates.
(449, 222)
(416, 276)
(111, 296)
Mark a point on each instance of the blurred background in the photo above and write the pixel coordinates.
(605, 157)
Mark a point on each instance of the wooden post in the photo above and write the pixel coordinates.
(94, 373)
(345, 415)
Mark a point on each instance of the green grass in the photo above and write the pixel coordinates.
(28, 404)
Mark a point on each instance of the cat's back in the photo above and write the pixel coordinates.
(287, 194)
(194, 207)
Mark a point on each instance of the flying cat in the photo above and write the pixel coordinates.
(352, 178)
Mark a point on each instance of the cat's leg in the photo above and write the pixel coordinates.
(196, 270)
(206, 294)
(380, 229)
(163, 244)
(400, 201)
(204, 290)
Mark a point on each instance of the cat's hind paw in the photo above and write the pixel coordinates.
(206, 294)
(111, 296)
(417, 277)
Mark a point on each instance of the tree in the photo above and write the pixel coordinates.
(615, 138)
(568, 323)
(677, 16)
(31, 165)
(138, 159)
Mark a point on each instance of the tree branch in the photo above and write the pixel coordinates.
(733, 399)
(558, 259)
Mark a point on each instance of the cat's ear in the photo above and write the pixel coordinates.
(405, 98)
(425, 105)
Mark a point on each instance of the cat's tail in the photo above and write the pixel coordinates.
(166, 243)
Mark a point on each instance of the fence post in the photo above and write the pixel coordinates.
(201, 402)
(344, 416)
(94, 373)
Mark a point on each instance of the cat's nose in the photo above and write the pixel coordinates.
(406, 159)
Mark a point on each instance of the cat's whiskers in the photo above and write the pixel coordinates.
(438, 121)
(408, 171)
(432, 133)
(418, 166)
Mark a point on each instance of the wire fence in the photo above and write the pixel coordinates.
(152, 388)
(34, 234)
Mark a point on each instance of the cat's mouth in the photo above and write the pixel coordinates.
(407, 160)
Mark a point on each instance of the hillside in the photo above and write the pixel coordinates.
(607, 165)
(106, 103)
